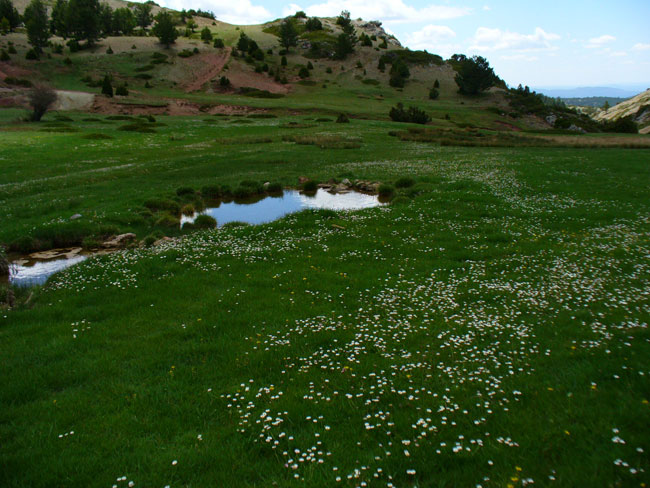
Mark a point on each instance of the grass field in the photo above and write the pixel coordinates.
(488, 328)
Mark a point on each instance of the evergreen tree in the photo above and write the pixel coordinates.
(343, 47)
(123, 21)
(164, 28)
(9, 12)
(206, 34)
(191, 24)
(36, 21)
(143, 17)
(83, 20)
(288, 35)
(243, 42)
(474, 75)
(59, 22)
(4, 28)
(107, 87)
(106, 19)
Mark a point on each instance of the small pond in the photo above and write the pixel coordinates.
(36, 268)
(273, 208)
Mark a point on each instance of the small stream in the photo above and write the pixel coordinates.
(34, 269)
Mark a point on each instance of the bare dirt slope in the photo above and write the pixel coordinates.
(205, 67)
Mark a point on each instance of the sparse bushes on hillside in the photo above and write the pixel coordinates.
(314, 24)
(412, 114)
(624, 125)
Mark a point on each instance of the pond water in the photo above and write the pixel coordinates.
(36, 268)
(273, 208)
(25, 272)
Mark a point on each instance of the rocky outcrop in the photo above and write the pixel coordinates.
(119, 241)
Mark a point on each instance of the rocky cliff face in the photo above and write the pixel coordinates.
(637, 107)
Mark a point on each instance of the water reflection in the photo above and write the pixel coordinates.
(32, 272)
(272, 208)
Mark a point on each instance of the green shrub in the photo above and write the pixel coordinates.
(4, 56)
(149, 240)
(328, 70)
(122, 91)
(168, 220)
(188, 209)
(163, 204)
(109, 50)
(412, 114)
(32, 55)
(433, 94)
(205, 222)
(304, 72)
(386, 190)
(274, 188)
(211, 191)
(400, 200)
(310, 186)
(218, 43)
(184, 191)
(342, 119)
(404, 182)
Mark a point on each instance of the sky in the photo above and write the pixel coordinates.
(552, 43)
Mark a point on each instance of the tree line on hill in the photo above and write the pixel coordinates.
(90, 20)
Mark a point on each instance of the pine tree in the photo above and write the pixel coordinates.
(36, 21)
(83, 20)
(59, 22)
(107, 87)
(288, 35)
(9, 12)
(143, 15)
(164, 29)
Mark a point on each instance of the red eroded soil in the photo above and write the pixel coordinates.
(205, 67)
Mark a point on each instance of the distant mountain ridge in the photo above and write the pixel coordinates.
(589, 91)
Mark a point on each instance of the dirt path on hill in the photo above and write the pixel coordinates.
(209, 66)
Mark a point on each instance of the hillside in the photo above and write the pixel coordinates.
(187, 77)
(637, 107)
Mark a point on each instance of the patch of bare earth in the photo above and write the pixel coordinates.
(243, 76)
(205, 67)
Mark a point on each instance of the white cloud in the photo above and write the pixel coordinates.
(291, 9)
(596, 42)
(433, 38)
(241, 12)
(487, 39)
(641, 47)
(486, 7)
(389, 11)
(520, 57)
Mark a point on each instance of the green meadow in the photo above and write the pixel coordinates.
(489, 327)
